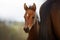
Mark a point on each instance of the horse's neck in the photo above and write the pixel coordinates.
(36, 25)
(35, 29)
(33, 34)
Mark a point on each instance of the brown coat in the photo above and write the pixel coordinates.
(47, 31)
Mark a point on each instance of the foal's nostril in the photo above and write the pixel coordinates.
(26, 30)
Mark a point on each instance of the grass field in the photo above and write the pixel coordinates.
(12, 32)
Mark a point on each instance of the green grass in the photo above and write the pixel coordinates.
(13, 32)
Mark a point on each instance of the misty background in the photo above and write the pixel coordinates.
(14, 9)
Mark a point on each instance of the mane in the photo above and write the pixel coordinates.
(30, 7)
(37, 17)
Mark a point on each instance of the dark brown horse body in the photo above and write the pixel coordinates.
(50, 20)
(55, 16)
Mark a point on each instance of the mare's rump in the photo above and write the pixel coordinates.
(55, 15)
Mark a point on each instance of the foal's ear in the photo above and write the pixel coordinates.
(34, 7)
(25, 6)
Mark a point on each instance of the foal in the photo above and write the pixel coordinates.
(31, 22)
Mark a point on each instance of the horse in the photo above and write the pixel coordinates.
(31, 22)
(50, 20)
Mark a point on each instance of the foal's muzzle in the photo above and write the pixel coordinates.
(26, 30)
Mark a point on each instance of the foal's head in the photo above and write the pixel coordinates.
(29, 17)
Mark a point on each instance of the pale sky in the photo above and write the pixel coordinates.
(14, 9)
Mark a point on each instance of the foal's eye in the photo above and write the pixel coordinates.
(33, 17)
